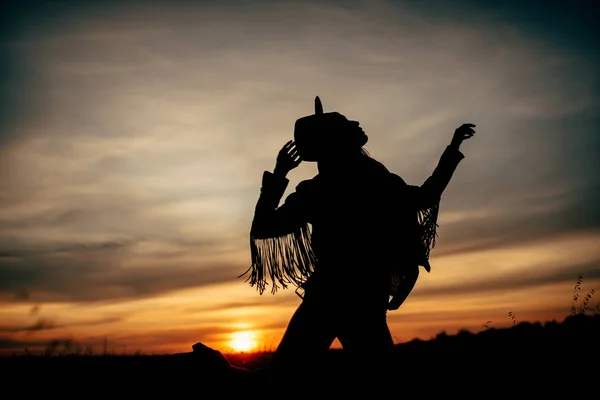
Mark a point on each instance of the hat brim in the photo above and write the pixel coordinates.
(319, 134)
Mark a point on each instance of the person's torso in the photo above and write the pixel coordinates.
(361, 230)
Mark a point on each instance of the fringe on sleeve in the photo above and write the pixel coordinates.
(428, 223)
(402, 283)
(281, 261)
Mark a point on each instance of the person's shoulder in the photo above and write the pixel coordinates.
(308, 185)
(396, 179)
(395, 185)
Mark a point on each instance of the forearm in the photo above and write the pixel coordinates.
(271, 191)
(270, 219)
(435, 185)
(264, 222)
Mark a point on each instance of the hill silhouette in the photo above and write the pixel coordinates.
(530, 356)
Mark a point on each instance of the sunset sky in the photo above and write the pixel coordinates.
(134, 134)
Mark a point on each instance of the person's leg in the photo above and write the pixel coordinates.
(368, 346)
(300, 354)
(305, 344)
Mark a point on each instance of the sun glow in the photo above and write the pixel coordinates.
(242, 341)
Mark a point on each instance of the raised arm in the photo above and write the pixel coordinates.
(429, 193)
(280, 245)
(270, 220)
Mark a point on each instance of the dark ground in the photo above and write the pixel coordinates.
(557, 359)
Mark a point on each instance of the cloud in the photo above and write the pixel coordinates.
(530, 279)
(534, 218)
(18, 346)
(262, 301)
(106, 272)
(130, 161)
(46, 324)
(40, 325)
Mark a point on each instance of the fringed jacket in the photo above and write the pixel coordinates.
(359, 235)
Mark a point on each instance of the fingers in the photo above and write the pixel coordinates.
(286, 147)
(293, 152)
(467, 127)
(466, 130)
(290, 153)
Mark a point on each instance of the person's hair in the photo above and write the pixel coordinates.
(365, 153)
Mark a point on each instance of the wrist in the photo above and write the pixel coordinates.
(279, 172)
(454, 145)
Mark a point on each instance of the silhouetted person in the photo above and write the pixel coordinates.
(351, 239)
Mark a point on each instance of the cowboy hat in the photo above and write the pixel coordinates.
(321, 133)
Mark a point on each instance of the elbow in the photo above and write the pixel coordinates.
(265, 228)
(259, 231)
(260, 235)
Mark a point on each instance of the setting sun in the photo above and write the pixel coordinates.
(242, 341)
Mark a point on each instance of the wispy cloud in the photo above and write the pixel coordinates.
(43, 324)
(131, 160)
